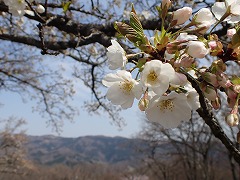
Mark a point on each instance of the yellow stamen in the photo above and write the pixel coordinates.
(152, 76)
(126, 86)
(166, 105)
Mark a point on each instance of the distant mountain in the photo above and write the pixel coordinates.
(51, 150)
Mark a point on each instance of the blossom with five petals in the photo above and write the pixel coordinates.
(170, 110)
(157, 76)
(123, 89)
(230, 7)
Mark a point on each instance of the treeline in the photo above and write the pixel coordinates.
(172, 168)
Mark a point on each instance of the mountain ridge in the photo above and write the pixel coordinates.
(51, 150)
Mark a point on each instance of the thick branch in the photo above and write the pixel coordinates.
(58, 45)
(206, 113)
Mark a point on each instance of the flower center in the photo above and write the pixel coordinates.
(126, 86)
(166, 105)
(152, 76)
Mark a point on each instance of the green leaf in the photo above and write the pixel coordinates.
(66, 6)
(124, 29)
(236, 80)
(141, 62)
(135, 22)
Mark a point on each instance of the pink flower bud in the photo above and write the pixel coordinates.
(231, 32)
(182, 15)
(232, 119)
(212, 45)
(197, 49)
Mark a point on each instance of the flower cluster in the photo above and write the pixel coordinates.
(19, 7)
(159, 68)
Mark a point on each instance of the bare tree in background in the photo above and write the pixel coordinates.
(77, 32)
(187, 152)
(13, 157)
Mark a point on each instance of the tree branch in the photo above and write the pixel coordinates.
(206, 113)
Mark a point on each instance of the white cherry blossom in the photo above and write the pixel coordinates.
(116, 56)
(157, 76)
(221, 8)
(123, 89)
(170, 110)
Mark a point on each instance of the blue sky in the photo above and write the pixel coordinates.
(83, 125)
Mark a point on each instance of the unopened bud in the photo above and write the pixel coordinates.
(232, 119)
(182, 15)
(185, 61)
(212, 44)
(3, 14)
(210, 78)
(197, 49)
(236, 88)
(209, 92)
(231, 32)
(40, 9)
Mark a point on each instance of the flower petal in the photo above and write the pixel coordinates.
(219, 9)
(117, 96)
